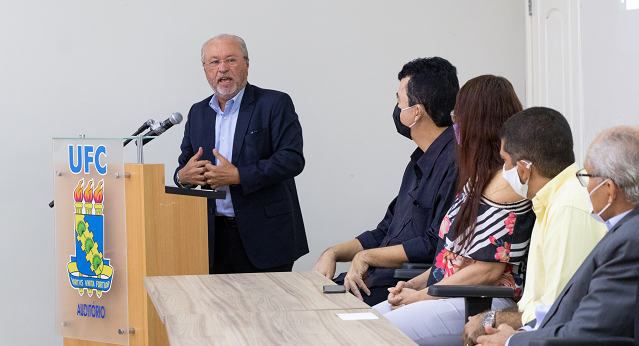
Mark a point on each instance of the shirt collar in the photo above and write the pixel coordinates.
(613, 220)
(233, 103)
(424, 161)
(543, 196)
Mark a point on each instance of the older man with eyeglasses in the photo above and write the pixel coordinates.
(599, 300)
(246, 141)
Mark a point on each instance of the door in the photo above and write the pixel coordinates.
(554, 77)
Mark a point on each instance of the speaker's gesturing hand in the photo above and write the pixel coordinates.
(193, 171)
(223, 174)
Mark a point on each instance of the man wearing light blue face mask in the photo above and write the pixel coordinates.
(537, 147)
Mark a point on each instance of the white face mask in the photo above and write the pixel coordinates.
(512, 177)
(598, 215)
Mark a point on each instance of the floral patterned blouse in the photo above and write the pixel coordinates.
(502, 234)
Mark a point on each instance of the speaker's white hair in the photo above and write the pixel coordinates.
(223, 36)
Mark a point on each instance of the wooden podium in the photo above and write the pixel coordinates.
(166, 235)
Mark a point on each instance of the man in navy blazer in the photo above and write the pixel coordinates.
(246, 141)
(599, 300)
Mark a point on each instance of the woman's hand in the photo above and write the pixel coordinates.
(408, 296)
(401, 285)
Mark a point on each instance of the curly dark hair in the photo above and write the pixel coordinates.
(433, 84)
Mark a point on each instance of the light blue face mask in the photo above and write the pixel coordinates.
(512, 177)
(598, 215)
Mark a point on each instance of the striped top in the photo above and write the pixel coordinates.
(502, 234)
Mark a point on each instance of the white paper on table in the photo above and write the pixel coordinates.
(358, 316)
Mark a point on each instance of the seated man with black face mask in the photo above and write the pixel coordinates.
(409, 230)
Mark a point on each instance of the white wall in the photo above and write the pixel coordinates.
(101, 68)
(610, 39)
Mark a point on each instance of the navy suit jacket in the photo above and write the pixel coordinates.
(267, 151)
(600, 298)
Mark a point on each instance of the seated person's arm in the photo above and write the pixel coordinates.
(417, 283)
(475, 328)
(346, 252)
(369, 240)
(390, 256)
(478, 273)
(340, 253)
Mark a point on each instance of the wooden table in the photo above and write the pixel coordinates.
(299, 328)
(263, 309)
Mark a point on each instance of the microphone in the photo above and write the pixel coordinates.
(143, 127)
(174, 119)
(157, 128)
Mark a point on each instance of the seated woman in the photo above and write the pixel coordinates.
(486, 232)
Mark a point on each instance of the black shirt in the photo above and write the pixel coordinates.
(414, 216)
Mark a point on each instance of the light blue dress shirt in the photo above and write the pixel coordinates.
(613, 220)
(224, 134)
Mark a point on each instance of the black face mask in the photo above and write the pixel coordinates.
(401, 128)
